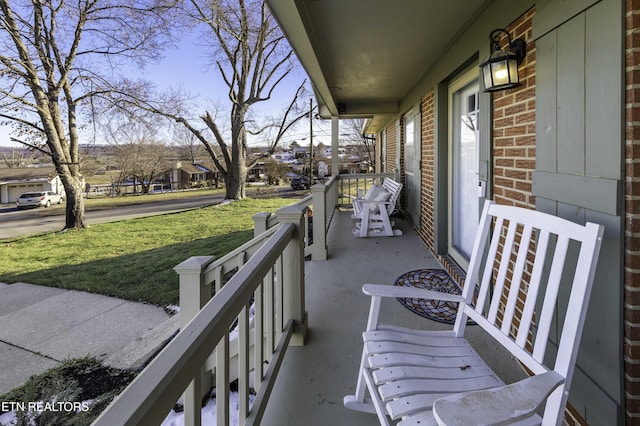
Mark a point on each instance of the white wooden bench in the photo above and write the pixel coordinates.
(372, 211)
(436, 377)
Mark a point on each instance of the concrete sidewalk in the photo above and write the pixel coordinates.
(43, 326)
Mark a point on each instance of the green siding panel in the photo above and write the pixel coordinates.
(604, 84)
(579, 160)
(598, 194)
(570, 97)
(546, 121)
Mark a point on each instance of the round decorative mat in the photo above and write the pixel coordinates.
(431, 279)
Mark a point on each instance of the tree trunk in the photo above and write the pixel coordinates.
(75, 202)
(235, 181)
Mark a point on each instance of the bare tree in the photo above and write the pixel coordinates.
(143, 162)
(139, 153)
(253, 57)
(363, 144)
(20, 158)
(55, 57)
(188, 145)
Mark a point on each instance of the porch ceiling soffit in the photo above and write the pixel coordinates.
(365, 55)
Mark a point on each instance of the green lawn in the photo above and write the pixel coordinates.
(131, 259)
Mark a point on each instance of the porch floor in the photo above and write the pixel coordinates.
(314, 378)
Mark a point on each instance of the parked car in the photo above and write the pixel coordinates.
(300, 182)
(37, 199)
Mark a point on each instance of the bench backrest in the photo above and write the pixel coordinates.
(535, 266)
(394, 188)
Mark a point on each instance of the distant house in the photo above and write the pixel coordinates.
(285, 157)
(187, 175)
(17, 181)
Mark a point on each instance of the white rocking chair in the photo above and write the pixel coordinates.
(436, 377)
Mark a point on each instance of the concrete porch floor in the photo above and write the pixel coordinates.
(314, 378)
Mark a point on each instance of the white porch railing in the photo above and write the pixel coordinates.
(274, 278)
(268, 271)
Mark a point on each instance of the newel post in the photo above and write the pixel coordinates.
(194, 294)
(260, 223)
(319, 246)
(293, 274)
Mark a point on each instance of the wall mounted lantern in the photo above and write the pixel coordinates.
(500, 69)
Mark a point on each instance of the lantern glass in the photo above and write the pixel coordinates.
(500, 72)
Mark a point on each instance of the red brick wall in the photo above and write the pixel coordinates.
(392, 143)
(427, 141)
(514, 128)
(632, 215)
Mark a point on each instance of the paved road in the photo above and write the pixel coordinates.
(14, 223)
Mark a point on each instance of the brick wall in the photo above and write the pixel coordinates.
(392, 143)
(514, 128)
(427, 195)
(632, 215)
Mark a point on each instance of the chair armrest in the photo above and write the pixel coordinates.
(383, 290)
(501, 405)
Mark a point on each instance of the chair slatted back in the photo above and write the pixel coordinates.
(513, 291)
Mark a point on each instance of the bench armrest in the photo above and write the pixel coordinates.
(501, 405)
(383, 290)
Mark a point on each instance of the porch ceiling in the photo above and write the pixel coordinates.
(365, 55)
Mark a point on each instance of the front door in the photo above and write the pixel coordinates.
(464, 166)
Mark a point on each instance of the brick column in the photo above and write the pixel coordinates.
(632, 215)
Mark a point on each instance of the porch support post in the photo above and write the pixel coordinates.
(293, 275)
(194, 294)
(319, 246)
(260, 223)
(335, 139)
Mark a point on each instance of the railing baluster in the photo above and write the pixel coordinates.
(258, 328)
(218, 274)
(279, 298)
(222, 381)
(243, 364)
(270, 312)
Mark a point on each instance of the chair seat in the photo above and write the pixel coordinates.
(411, 374)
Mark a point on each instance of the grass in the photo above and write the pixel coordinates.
(131, 259)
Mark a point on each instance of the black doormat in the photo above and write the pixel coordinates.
(436, 280)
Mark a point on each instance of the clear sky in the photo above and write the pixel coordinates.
(187, 67)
